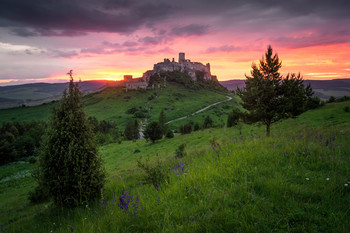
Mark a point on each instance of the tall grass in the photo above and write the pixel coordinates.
(298, 180)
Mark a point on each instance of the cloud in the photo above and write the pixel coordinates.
(190, 30)
(74, 18)
(152, 40)
(224, 48)
(314, 39)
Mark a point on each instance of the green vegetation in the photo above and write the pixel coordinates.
(153, 131)
(70, 168)
(270, 97)
(294, 181)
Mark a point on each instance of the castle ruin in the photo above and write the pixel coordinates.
(186, 66)
(183, 65)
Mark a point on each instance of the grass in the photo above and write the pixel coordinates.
(294, 181)
(112, 103)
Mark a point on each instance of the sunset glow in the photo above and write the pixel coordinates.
(312, 38)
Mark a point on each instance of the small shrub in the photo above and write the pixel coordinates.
(186, 128)
(180, 151)
(155, 174)
(137, 151)
(208, 123)
(346, 109)
(169, 134)
(196, 127)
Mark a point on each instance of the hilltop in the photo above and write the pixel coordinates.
(295, 181)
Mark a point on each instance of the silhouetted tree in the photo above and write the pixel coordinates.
(70, 167)
(268, 96)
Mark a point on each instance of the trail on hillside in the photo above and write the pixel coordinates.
(200, 110)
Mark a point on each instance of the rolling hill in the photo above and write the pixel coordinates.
(295, 181)
(322, 88)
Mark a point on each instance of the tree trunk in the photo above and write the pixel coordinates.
(268, 129)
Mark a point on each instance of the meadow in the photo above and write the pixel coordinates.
(297, 180)
(112, 104)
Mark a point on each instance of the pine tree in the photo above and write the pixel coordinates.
(269, 96)
(162, 120)
(131, 131)
(153, 131)
(70, 167)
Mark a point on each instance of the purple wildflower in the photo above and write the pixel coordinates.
(179, 168)
(102, 203)
(71, 228)
(327, 142)
(127, 202)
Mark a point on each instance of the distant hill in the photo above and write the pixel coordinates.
(37, 93)
(322, 88)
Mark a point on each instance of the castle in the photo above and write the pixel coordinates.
(183, 65)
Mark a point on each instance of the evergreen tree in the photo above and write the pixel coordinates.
(208, 122)
(162, 120)
(153, 131)
(269, 96)
(232, 118)
(70, 167)
(131, 131)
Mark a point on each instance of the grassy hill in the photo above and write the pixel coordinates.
(112, 103)
(295, 181)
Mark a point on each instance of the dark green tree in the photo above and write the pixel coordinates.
(162, 120)
(269, 96)
(131, 131)
(70, 167)
(232, 118)
(208, 122)
(153, 131)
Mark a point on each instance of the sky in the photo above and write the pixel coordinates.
(41, 40)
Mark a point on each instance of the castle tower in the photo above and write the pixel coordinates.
(181, 57)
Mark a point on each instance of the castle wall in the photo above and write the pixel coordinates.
(183, 65)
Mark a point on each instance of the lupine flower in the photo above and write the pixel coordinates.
(179, 168)
(127, 202)
(327, 142)
(102, 203)
(71, 228)
(214, 149)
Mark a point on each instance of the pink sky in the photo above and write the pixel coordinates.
(110, 38)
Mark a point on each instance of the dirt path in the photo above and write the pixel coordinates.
(200, 110)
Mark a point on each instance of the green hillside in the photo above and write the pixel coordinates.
(112, 104)
(295, 181)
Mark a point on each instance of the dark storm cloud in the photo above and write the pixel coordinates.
(77, 17)
(70, 18)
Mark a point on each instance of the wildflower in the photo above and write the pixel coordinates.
(127, 202)
(327, 178)
(346, 185)
(327, 142)
(158, 199)
(307, 178)
(102, 203)
(71, 228)
(140, 182)
(214, 149)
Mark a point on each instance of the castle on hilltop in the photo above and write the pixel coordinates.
(183, 65)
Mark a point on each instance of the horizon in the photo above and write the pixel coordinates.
(105, 40)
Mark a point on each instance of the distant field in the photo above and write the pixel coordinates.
(322, 88)
(297, 180)
(112, 103)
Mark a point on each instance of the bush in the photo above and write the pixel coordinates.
(180, 151)
(186, 128)
(208, 123)
(155, 174)
(39, 195)
(70, 167)
(346, 109)
(153, 131)
(196, 127)
(169, 134)
(233, 118)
